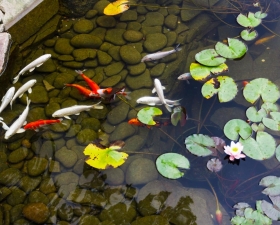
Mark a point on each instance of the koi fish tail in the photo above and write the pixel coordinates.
(79, 72)
(176, 102)
(177, 48)
(4, 125)
(97, 106)
(168, 107)
(16, 79)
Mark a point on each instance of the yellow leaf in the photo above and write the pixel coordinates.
(103, 158)
(116, 7)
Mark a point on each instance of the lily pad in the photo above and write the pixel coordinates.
(248, 21)
(274, 123)
(235, 49)
(199, 144)
(179, 114)
(248, 36)
(201, 73)
(209, 57)
(223, 85)
(254, 115)
(257, 128)
(146, 115)
(272, 211)
(269, 107)
(260, 149)
(236, 127)
(273, 185)
(261, 87)
(168, 165)
(104, 158)
(260, 15)
(277, 153)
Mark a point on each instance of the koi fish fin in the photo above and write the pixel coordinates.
(97, 106)
(4, 125)
(28, 101)
(30, 70)
(37, 130)
(152, 104)
(127, 97)
(25, 122)
(16, 79)
(177, 49)
(29, 90)
(67, 117)
(79, 72)
(11, 104)
(188, 82)
(39, 65)
(163, 88)
(168, 107)
(177, 102)
(20, 95)
(20, 130)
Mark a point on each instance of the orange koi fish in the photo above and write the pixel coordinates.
(245, 82)
(136, 122)
(112, 92)
(82, 90)
(40, 123)
(93, 86)
(263, 40)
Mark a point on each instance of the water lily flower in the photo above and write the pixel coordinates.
(214, 165)
(234, 151)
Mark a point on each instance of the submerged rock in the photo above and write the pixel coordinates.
(36, 212)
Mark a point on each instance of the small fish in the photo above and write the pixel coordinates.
(136, 122)
(110, 93)
(124, 93)
(75, 110)
(263, 40)
(7, 98)
(40, 123)
(159, 89)
(16, 126)
(150, 100)
(186, 77)
(93, 86)
(82, 90)
(245, 82)
(26, 87)
(159, 55)
(31, 66)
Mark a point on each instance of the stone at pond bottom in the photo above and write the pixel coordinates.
(141, 171)
(155, 42)
(36, 166)
(151, 220)
(88, 219)
(86, 136)
(63, 46)
(68, 158)
(130, 55)
(10, 177)
(122, 131)
(114, 176)
(36, 212)
(118, 114)
(83, 26)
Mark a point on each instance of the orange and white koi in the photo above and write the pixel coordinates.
(112, 92)
(40, 123)
(263, 40)
(82, 90)
(93, 86)
(136, 122)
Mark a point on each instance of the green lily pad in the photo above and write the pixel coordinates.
(274, 123)
(269, 107)
(277, 153)
(260, 149)
(209, 57)
(254, 115)
(273, 185)
(223, 85)
(235, 49)
(260, 15)
(199, 144)
(257, 128)
(248, 36)
(146, 115)
(248, 21)
(201, 73)
(168, 165)
(261, 87)
(236, 127)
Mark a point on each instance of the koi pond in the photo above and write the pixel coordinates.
(166, 112)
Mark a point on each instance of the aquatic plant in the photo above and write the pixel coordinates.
(146, 115)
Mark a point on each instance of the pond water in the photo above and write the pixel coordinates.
(43, 174)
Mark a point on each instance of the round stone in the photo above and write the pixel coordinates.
(83, 26)
(36, 212)
(63, 46)
(133, 35)
(86, 41)
(66, 157)
(130, 55)
(106, 21)
(155, 42)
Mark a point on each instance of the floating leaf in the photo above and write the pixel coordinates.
(260, 15)
(274, 123)
(168, 165)
(179, 114)
(240, 207)
(269, 107)
(277, 153)
(116, 7)
(104, 158)
(248, 21)
(223, 85)
(236, 127)
(257, 128)
(199, 144)
(272, 211)
(219, 143)
(209, 57)
(261, 148)
(201, 73)
(256, 217)
(273, 185)
(146, 115)
(248, 36)
(235, 49)
(214, 165)
(254, 115)
(261, 87)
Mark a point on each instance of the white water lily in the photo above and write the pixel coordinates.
(234, 151)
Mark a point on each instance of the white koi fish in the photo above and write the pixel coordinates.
(7, 98)
(159, 55)
(185, 76)
(75, 109)
(26, 87)
(159, 89)
(31, 66)
(150, 100)
(16, 126)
